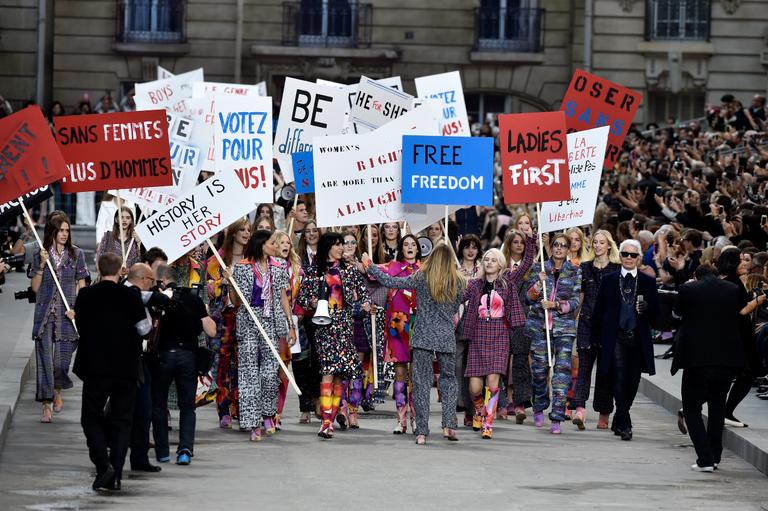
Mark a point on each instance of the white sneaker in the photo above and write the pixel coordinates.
(696, 468)
(735, 424)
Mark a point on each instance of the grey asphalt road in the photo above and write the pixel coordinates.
(46, 467)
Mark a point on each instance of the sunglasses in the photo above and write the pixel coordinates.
(350, 243)
(557, 244)
(632, 255)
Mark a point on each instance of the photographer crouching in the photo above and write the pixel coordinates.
(181, 323)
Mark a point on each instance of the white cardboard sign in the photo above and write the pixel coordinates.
(173, 94)
(377, 104)
(243, 133)
(307, 110)
(586, 152)
(193, 218)
(447, 89)
(358, 177)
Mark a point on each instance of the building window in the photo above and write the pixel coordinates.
(150, 21)
(508, 25)
(339, 23)
(678, 19)
(682, 106)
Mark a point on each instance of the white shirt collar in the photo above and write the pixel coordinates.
(624, 272)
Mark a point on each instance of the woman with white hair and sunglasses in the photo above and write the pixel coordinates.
(493, 307)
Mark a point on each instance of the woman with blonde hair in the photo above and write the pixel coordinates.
(439, 289)
(603, 259)
(493, 307)
(579, 250)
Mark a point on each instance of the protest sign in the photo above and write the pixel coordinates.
(193, 218)
(11, 209)
(591, 101)
(446, 87)
(586, 151)
(174, 95)
(116, 150)
(376, 104)
(448, 170)
(534, 157)
(148, 198)
(304, 172)
(244, 143)
(201, 109)
(307, 110)
(163, 73)
(421, 216)
(29, 157)
(262, 87)
(358, 177)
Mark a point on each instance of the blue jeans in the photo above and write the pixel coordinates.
(174, 366)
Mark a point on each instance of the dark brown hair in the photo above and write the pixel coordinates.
(52, 227)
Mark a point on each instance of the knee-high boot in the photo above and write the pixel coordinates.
(401, 401)
(477, 419)
(355, 397)
(326, 410)
(491, 402)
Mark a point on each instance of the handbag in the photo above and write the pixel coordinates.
(203, 360)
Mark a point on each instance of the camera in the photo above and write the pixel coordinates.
(27, 294)
(14, 261)
(161, 301)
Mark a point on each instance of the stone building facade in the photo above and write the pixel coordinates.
(514, 55)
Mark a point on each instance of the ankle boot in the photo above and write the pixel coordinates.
(491, 402)
(353, 424)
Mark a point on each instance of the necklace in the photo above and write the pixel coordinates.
(627, 295)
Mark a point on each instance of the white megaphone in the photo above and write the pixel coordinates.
(322, 315)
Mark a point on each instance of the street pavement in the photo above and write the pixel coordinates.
(46, 467)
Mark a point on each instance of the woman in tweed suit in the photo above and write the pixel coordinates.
(439, 291)
(563, 281)
(493, 307)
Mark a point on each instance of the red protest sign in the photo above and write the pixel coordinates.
(114, 151)
(29, 158)
(591, 102)
(534, 157)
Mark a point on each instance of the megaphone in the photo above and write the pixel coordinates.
(322, 315)
(287, 193)
(425, 246)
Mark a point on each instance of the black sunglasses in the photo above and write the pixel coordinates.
(633, 255)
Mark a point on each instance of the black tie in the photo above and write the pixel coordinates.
(627, 318)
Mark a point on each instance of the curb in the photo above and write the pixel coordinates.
(13, 376)
(742, 442)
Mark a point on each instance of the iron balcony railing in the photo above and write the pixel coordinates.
(334, 24)
(517, 30)
(150, 21)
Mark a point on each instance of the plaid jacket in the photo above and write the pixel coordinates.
(514, 312)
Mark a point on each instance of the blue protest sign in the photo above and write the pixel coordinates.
(304, 172)
(448, 170)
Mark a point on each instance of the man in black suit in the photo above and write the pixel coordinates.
(626, 302)
(111, 320)
(709, 351)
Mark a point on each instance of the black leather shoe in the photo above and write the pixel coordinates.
(681, 423)
(115, 484)
(145, 468)
(104, 478)
(626, 434)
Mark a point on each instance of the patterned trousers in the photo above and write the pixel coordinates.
(53, 358)
(561, 374)
(423, 376)
(603, 401)
(258, 381)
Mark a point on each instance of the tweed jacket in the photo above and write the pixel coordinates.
(568, 289)
(352, 284)
(514, 312)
